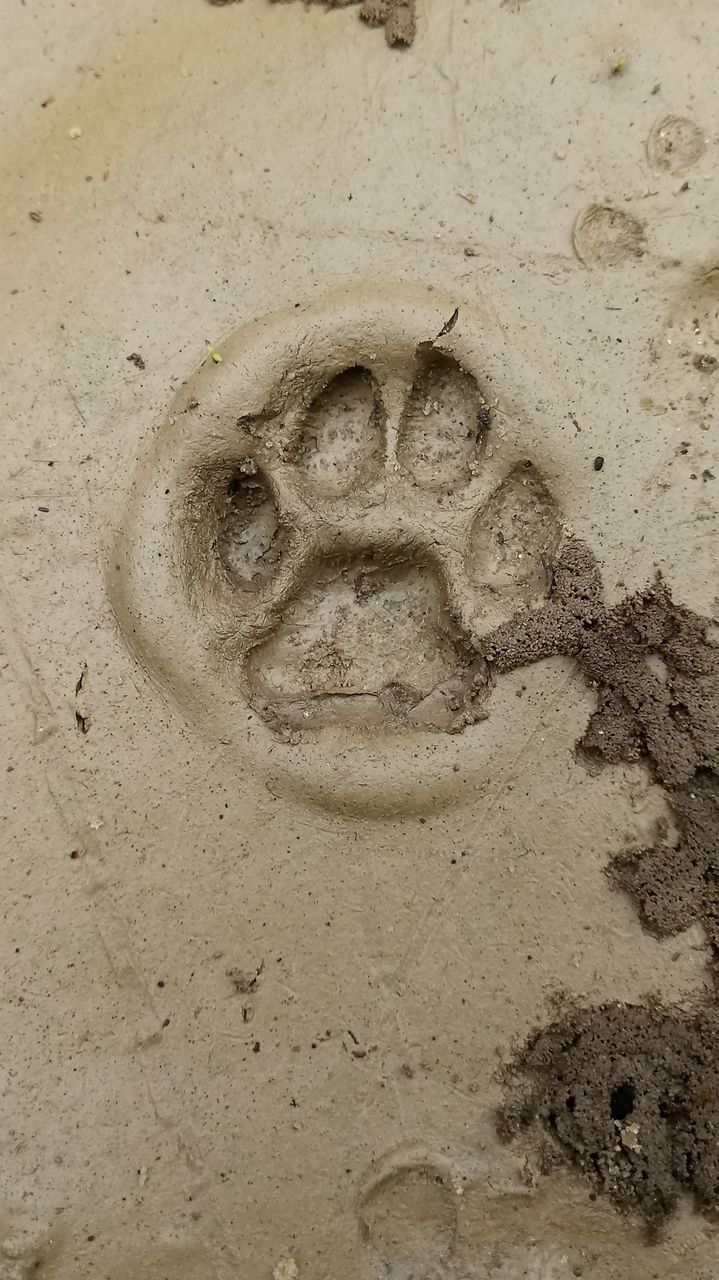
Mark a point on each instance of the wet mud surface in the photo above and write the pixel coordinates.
(284, 151)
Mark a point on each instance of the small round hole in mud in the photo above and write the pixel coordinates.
(249, 541)
(621, 1103)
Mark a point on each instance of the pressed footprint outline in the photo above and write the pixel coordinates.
(362, 548)
(422, 1216)
(408, 1222)
(324, 527)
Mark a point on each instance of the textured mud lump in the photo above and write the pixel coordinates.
(658, 701)
(631, 1095)
(656, 676)
(677, 884)
(396, 16)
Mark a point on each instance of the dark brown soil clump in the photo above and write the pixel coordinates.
(676, 883)
(396, 16)
(631, 1095)
(656, 674)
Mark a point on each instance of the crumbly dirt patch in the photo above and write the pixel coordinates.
(396, 16)
(631, 1095)
(656, 674)
(676, 882)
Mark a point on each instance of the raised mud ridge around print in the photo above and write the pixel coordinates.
(324, 529)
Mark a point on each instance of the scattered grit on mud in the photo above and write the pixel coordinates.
(396, 16)
(631, 1094)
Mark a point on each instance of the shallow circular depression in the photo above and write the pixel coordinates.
(408, 1223)
(675, 144)
(250, 537)
(444, 425)
(340, 443)
(512, 543)
(606, 236)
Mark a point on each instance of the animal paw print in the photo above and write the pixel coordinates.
(362, 555)
(328, 523)
(427, 1219)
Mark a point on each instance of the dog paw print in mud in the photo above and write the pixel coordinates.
(330, 520)
(363, 548)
